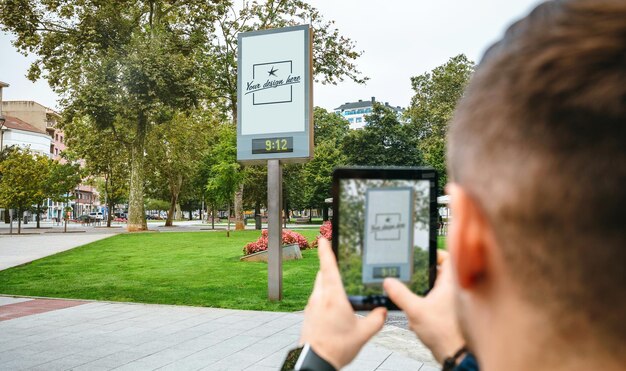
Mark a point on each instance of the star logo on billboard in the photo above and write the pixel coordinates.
(273, 85)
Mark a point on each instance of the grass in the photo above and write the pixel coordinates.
(441, 242)
(200, 269)
(193, 268)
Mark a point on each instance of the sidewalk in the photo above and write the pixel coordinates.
(21, 249)
(80, 335)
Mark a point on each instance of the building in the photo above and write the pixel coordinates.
(16, 132)
(42, 118)
(46, 138)
(356, 112)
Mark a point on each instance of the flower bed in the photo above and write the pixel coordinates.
(289, 237)
(326, 231)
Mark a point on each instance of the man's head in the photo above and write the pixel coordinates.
(538, 148)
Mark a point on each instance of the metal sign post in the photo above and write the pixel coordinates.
(274, 230)
(275, 118)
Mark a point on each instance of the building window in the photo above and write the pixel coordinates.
(56, 151)
(351, 120)
(359, 119)
(56, 137)
(61, 138)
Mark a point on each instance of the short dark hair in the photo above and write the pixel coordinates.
(539, 141)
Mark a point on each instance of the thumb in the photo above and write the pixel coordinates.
(401, 295)
(374, 321)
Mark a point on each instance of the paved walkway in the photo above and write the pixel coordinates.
(66, 334)
(16, 250)
(78, 335)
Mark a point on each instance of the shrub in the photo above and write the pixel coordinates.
(289, 237)
(326, 231)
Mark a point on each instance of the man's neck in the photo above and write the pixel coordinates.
(515, 337)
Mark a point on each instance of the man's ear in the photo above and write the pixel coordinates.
(467, 237)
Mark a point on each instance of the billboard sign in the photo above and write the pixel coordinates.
(274, 92)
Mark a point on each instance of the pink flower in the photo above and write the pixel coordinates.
(289, 237)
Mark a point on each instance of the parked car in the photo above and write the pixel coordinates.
(83, 219)
(96, 215)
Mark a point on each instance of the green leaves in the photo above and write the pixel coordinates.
(383, 141)
(28, 179)
(436, 95)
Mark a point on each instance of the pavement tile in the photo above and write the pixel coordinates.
(359, 365)
(277, 358)
(374, 353)
(234, 362)
(151, 347)
(195, 361)
(64, 363)
(260, 368)
(398, 362)
(4, 300)
(115, 360)
(429, 368)
(199, 343)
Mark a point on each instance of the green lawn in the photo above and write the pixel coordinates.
(441, 242)
(201, 269)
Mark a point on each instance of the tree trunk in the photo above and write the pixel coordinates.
(19, 221)
(136, 211)
(285, 213)
(170, 213)
(213, 218)
(257, 216)
(325, 213)
(190, 204)
(228, 224)
(239, 223)
(175, 185)
(38, 213)
(179, 212)
(111, 205)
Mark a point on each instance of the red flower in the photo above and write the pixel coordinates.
(289, 237)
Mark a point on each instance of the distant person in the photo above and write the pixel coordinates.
(536, 278)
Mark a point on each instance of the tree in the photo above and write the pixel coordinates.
(333, 54)
(226, 174)
(173, 155)
(125, 64)
(57, 182)
(21, 184)
(384, 140)
(255, 188)
(103, 157)
(436, 95)
(309, 185)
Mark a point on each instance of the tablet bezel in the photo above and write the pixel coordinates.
(408, 173)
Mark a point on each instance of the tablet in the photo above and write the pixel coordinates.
(384, 225)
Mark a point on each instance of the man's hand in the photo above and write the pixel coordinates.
(432, 318)
(330, 326)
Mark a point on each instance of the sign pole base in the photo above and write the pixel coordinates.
(274, 230)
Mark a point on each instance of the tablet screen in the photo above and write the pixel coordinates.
(383, 231)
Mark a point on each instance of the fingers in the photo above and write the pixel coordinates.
(404, 298)
(442, 256)
(328, 264)
(371, 324)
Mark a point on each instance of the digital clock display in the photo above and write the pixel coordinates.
(384, 272)
(272, 145)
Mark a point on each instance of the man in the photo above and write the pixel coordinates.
(537, 157)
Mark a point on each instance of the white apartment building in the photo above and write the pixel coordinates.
(355, 112)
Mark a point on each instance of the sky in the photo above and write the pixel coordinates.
(399, 39)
